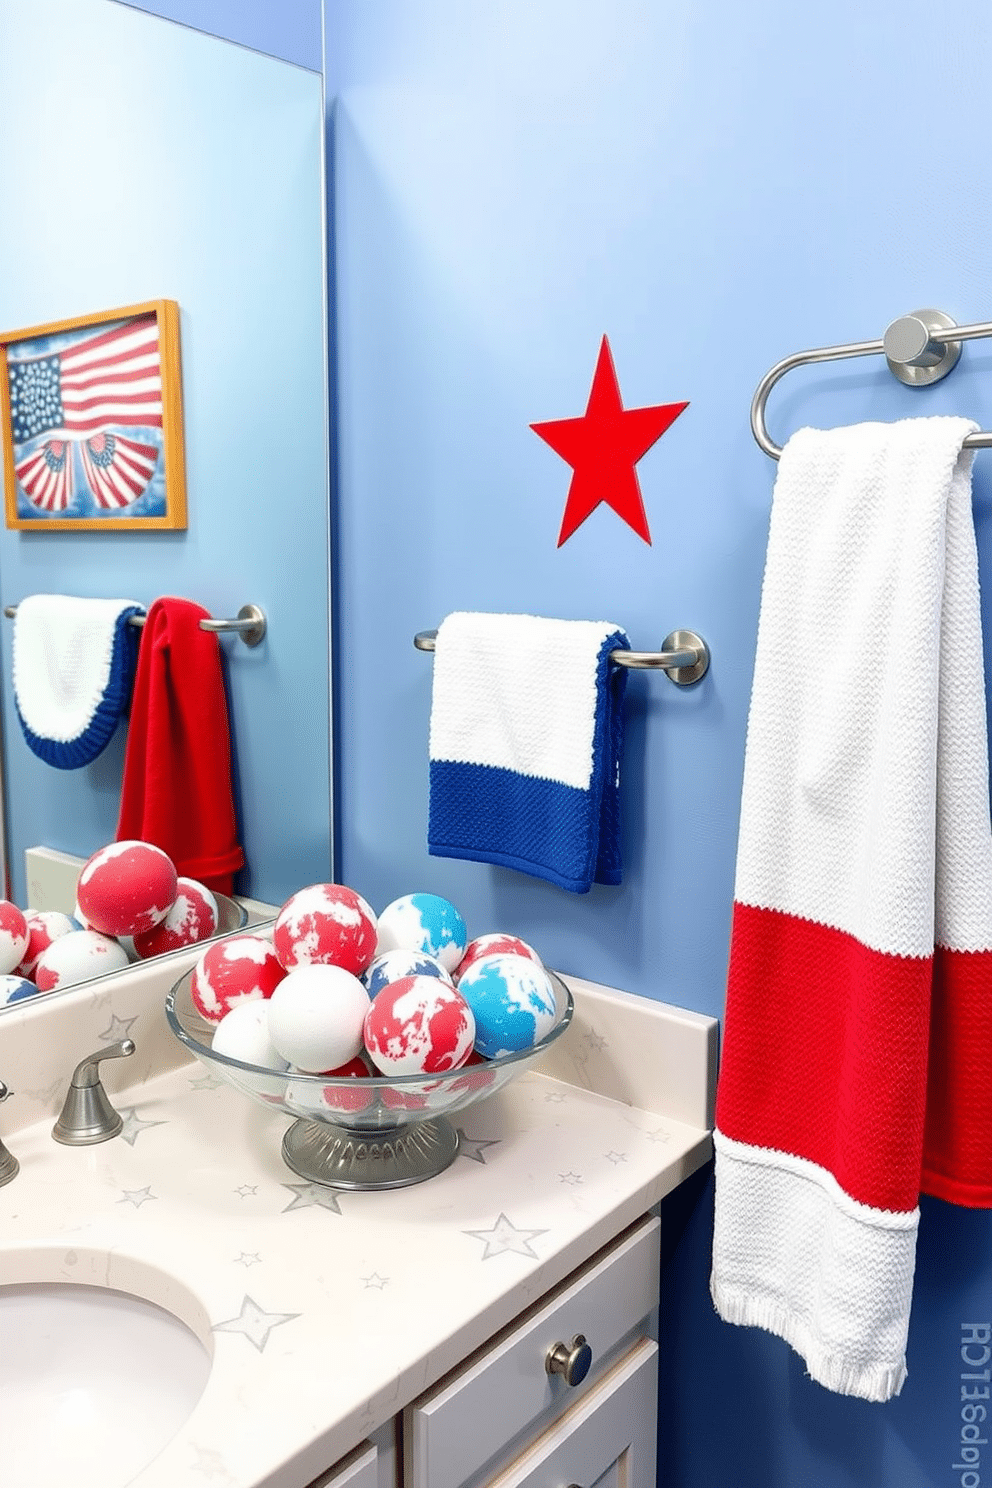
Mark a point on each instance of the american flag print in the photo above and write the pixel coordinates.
(117, 468)
(110, 380)
(45, 476)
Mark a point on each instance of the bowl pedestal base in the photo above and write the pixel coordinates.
(392, 1157)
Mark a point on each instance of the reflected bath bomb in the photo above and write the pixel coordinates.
(316, 1015)
(513, 1002)
(126, 888)
(45, 926)
(423, 922)
(15, 989)
(13, 936)
(77, 957)
(192, 917)
(243, 968)
(495, 944)
(419, 1025)
(325, 925)
(392, 965)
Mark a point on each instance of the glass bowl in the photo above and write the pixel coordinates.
(385, 1131)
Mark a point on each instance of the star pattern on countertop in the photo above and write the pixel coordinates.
(594, 1040)
(555, 1095)
(474, 1147)
(615, 1157)
(137, 1196)
(312, 1196)
(246, 1190)
(118, 1028)
(504, 1237)
(210, 1462)
(571, 1178)
(206, 1081)
(57, 1087)
(248, 1258)
(254, 1322)
(375, 1282)
(134, 1124)
(660, 1134)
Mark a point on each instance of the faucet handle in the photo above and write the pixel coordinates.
(9, 1165)
(87, 1115)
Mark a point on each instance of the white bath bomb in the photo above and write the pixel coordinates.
(126, 887)
(77, 957)
(192, 917)
(325, 924)
(316, 1015)
(243, 1034)
(45, 926)
(423, 922)
(13, 936)
(242, 968)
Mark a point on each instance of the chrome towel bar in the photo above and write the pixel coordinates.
(684, 656)
(250, 623)
(919, 348)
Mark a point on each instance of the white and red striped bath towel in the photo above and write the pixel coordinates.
(857, 1055)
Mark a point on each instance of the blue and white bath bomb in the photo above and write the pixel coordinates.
(423, 922)
(13, 936)
(15, 989)
(77, 957)
(392, 966)
(513, 1002)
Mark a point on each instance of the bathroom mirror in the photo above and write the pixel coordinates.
(146, 161)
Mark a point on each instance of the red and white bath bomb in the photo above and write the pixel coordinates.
(326, 925)
(13, 936)
(347, 1090)
(242, 968)
(494, 944)
(126, 888)
(192, 917)
(77, 957)
(316, 1016)
(45, 926)
(419, 1025)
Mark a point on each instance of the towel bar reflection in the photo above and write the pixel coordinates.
(684, 656)
(920, 348)
(250, 623)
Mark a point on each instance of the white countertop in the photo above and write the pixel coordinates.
(326, 1311)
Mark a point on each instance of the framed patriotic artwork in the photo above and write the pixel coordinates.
(91, 410)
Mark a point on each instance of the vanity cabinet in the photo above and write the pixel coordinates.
(501, 1420)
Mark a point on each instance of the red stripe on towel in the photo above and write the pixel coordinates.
(957, 1149)
(826, 1052)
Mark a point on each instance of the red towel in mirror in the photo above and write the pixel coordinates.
(177, 764)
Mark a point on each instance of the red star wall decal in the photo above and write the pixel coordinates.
(603, 446)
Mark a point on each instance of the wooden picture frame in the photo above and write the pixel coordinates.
(92, 423)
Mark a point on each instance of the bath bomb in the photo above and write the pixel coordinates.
(419, 1025)
(243, 1034)
(392, 965)
(45, 926)
(423, 922)
(346, 1092)
(192, 917)
(494, 944)
(325, 925)
(15, 989)
(242, 968)
(316, 1016)
(513, 1002)
(77, 957)
(126, 887)
(13, 936)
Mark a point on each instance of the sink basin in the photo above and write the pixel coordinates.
(92, 1381)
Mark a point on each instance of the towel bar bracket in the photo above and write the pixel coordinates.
(914, 353)
(684, 656)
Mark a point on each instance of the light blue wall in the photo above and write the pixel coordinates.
(152, 161)
(290, 29)
(714, 187)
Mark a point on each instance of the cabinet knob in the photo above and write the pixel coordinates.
(571, 1360)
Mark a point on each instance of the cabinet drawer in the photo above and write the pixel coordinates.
(360, 1470)
(454, 1430)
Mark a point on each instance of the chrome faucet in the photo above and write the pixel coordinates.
(8, 1162)
(87, 1115)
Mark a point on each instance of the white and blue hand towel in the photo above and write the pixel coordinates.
(526, 738)
(73, 668)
